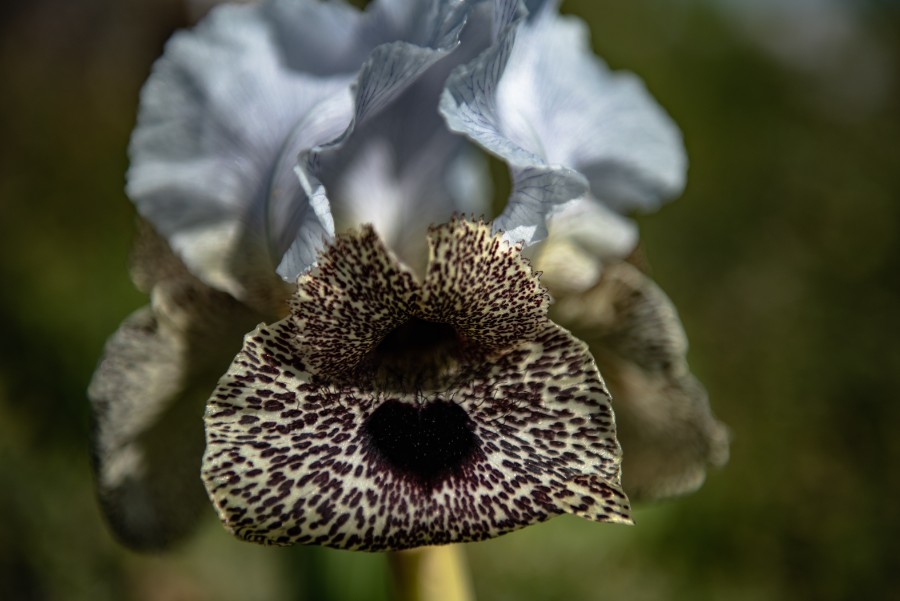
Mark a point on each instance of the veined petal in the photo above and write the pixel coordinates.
(541, 101)
(669, 435)
(536, 192)
(432, 437)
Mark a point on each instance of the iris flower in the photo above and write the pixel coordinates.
(307, 166)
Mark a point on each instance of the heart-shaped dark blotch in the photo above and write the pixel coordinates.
(426, 443)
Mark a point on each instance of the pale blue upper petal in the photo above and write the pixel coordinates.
(541, 101)
(220, 122)
(559, 98)
(395, 100)
(335, 37)
(403, 170)
(232, 104)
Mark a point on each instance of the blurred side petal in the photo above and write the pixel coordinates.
(541, 101)
(669, 435)
(583, 236)
(146, 488)
(147, 396)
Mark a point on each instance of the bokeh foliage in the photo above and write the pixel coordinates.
(782, 256)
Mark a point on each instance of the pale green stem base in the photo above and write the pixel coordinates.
(430, 574)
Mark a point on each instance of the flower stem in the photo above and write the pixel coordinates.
(430, 574)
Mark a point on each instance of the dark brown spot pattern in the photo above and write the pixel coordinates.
(356, 295)
(294, 454)
(482, 286)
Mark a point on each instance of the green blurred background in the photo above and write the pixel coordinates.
(782, 256)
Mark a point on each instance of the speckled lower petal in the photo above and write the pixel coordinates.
(433, 437)
(669, 435)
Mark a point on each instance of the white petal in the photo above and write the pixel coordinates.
(604, 234)
(583, 236)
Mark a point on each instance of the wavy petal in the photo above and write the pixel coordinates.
(558, 98)
(403, 179)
